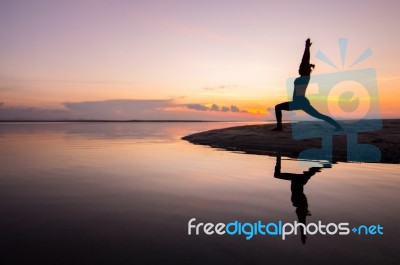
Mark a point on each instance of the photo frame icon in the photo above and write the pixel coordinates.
(355, 105)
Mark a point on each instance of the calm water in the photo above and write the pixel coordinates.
(123, 193)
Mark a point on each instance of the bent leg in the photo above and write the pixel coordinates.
(313, 112)
(278, 114)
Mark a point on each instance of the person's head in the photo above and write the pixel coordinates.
(306, 69)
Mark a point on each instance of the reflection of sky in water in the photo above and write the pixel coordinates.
(114, 192)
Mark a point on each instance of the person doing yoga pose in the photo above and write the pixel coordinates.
(299, 101)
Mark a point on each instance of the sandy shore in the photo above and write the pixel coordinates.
(259, 139)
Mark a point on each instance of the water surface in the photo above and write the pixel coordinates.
(122, 193)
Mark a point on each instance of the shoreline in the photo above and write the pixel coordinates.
(260, 140)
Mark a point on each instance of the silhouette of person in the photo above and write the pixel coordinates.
(298, 197)
(300, 102)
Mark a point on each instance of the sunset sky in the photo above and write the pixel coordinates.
(210, 60)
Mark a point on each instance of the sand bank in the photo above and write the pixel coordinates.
(259, 139)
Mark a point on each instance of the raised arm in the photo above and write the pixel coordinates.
(306, 56)
(305, 66)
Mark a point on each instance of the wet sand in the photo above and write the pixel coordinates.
(259, 139)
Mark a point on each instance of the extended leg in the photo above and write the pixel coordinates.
(313, 112)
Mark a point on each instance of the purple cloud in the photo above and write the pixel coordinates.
(32, 113)
(199, 107)
(234, 108)
(124, 109)
(224, 109)
(214, 107)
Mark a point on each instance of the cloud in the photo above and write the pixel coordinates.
(32, 113)
(98, 110)
(124, 109)
(199, 107)
(118, 104)
(214, 107)
(234, 108)
(224, 109)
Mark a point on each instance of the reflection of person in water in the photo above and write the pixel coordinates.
(300, 102)
(298, 198)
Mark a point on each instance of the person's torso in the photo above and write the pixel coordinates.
(300, 86)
